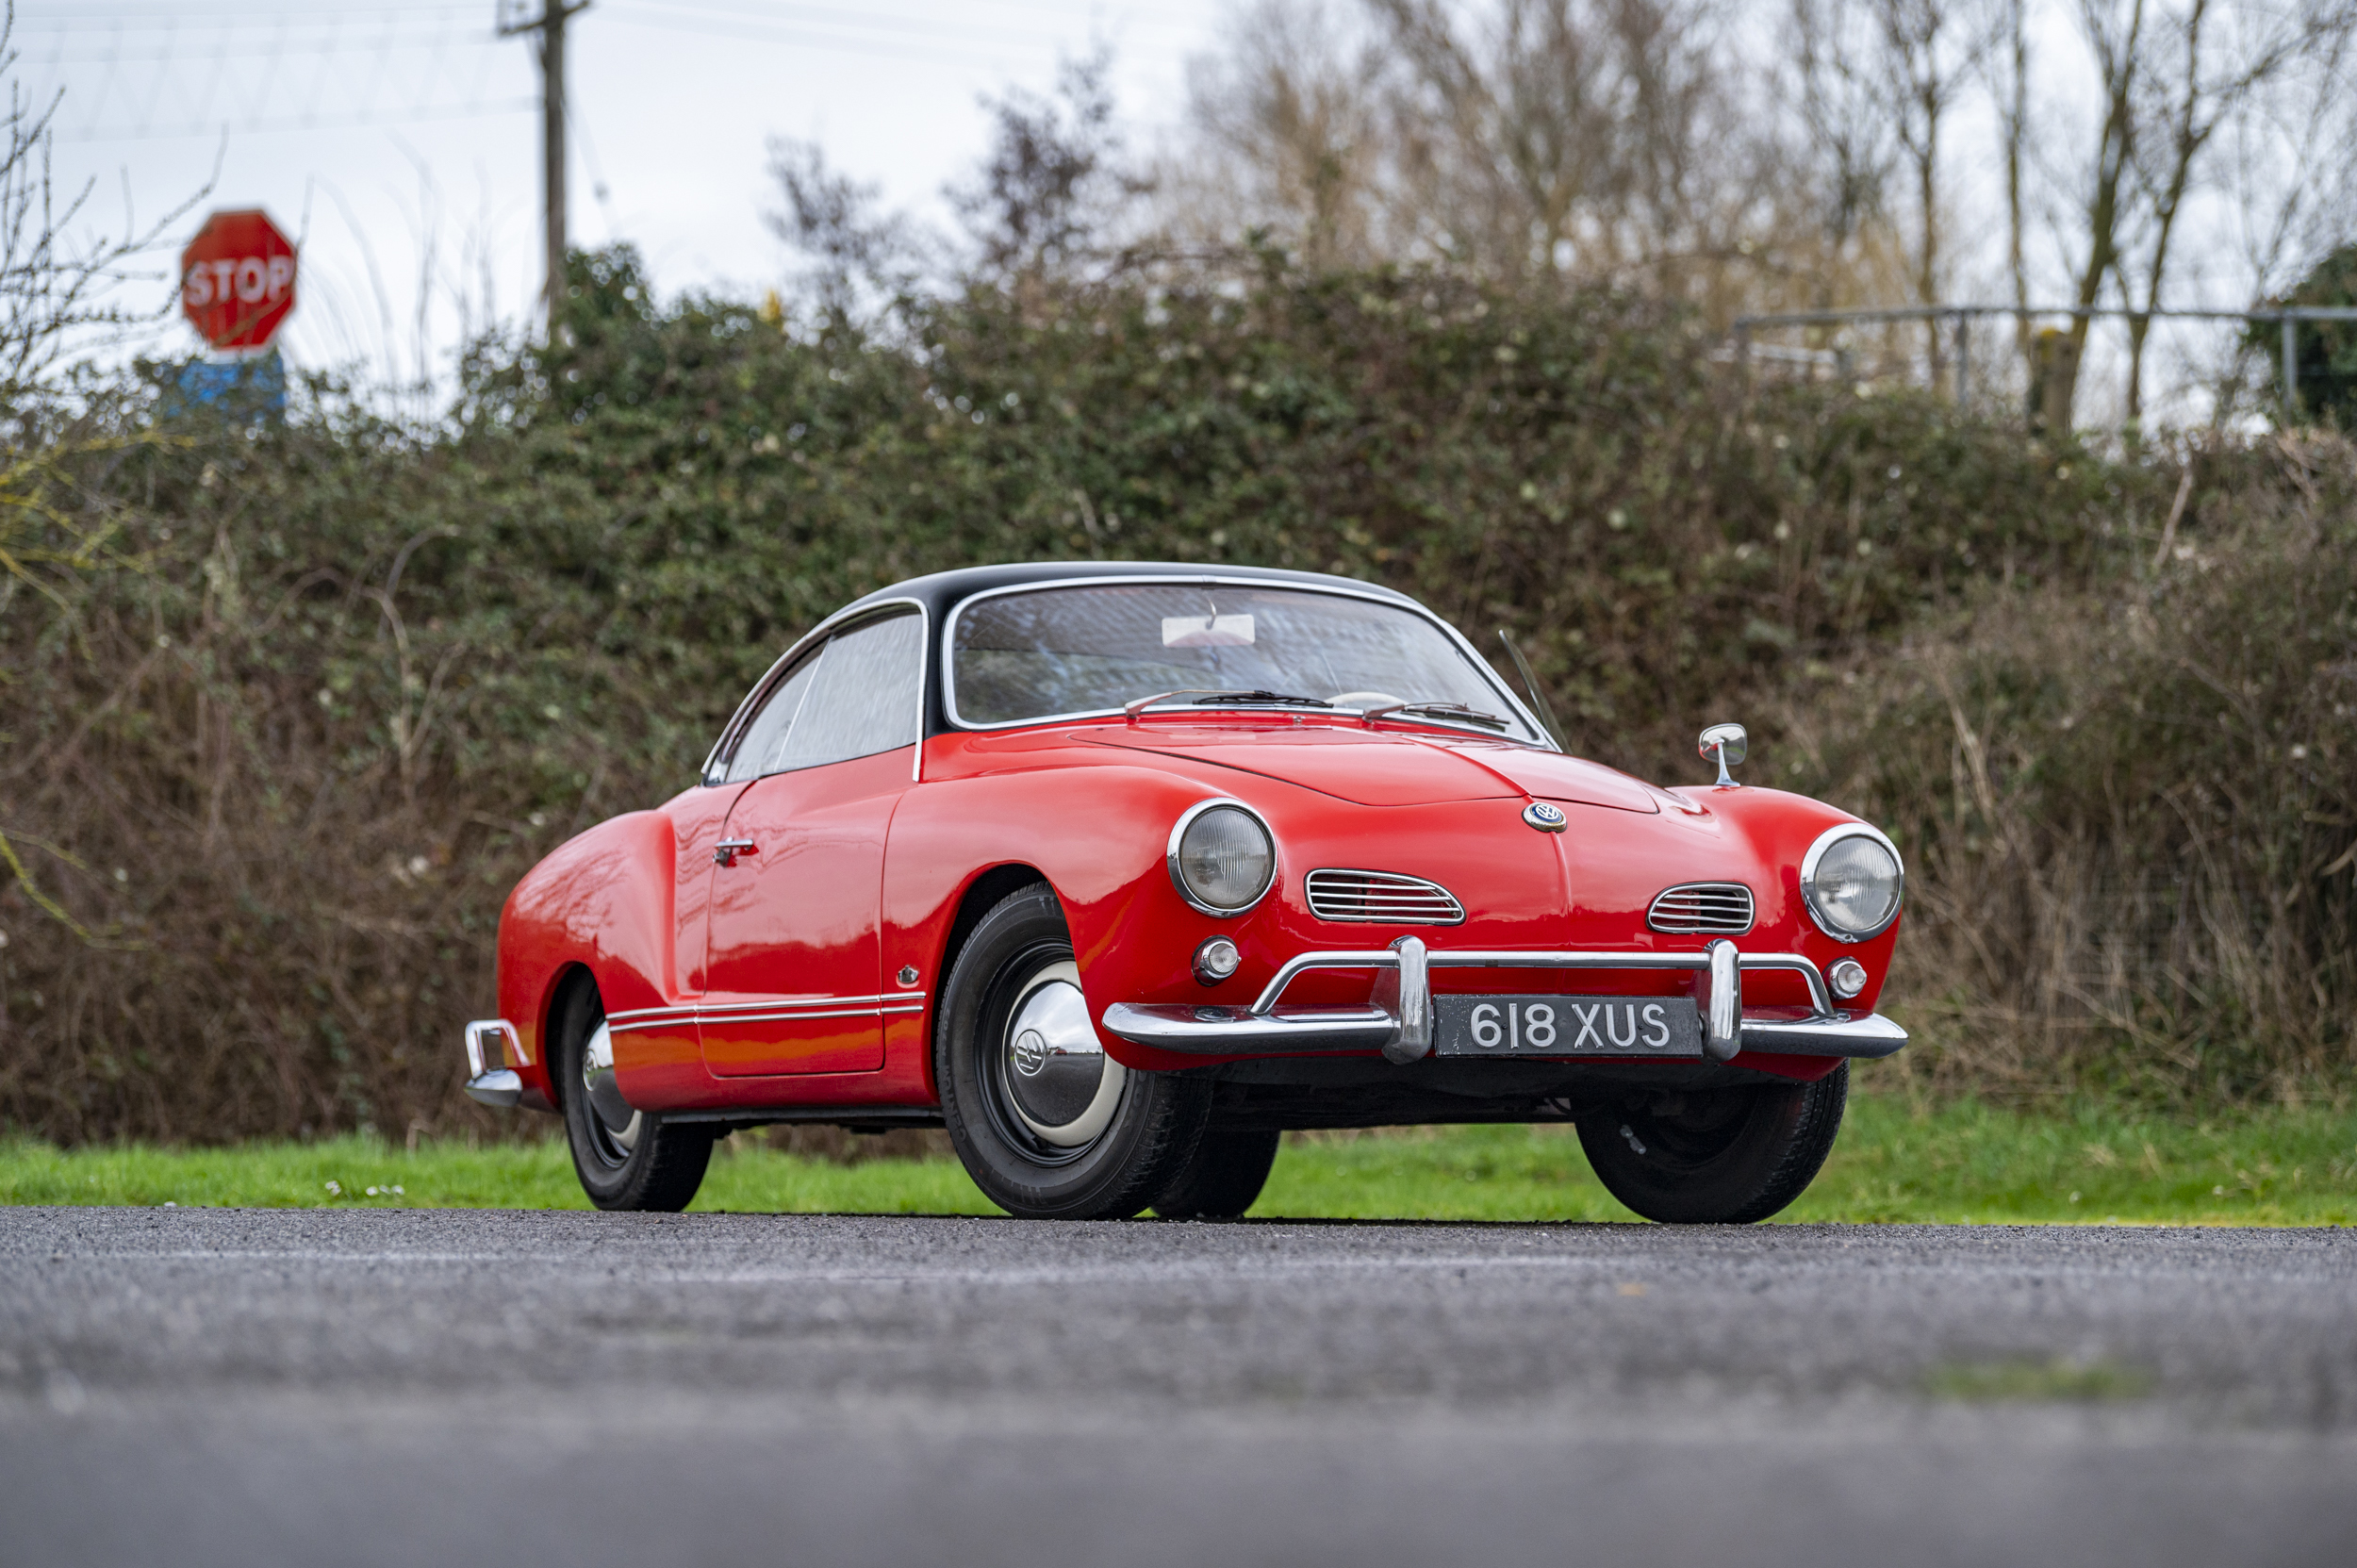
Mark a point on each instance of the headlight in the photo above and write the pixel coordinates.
(1851, 880)
(1221, 859)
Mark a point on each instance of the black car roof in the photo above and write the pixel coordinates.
(942, 591)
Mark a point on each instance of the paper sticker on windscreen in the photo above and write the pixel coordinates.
(1206, 631)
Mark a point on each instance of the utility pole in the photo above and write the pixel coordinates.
(550, 24)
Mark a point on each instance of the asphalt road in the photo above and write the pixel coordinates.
(255, 1387)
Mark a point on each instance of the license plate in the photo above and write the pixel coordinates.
(1646, 1026)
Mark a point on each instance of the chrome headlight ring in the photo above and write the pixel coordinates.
(1815, 858)
(1177, 837)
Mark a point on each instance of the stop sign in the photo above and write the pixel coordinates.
(236, 279)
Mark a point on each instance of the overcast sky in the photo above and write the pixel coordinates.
(398, 139)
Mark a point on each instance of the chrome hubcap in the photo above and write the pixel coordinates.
(1059, 1080)
(609, 1112)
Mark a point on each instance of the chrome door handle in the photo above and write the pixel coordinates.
(726, 852)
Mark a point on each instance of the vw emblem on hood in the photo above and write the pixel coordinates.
(1545, 817)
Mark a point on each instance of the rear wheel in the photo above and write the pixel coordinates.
(1229, 1168)
(1720, 1157)
(626, 1158)
(1048, 1125)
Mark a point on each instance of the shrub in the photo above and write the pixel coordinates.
(326, 688)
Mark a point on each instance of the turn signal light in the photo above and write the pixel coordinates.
(1216, 960)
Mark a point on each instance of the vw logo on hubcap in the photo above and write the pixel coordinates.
(1029, 1052)
(1545, 817)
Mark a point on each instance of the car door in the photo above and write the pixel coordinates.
(793, 972)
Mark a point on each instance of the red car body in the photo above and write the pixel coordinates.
(773, 949)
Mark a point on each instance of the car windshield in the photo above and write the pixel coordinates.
(1055, 652)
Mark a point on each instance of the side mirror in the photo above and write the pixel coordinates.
(1726, 745)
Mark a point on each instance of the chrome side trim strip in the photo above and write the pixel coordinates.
(868, 1011)
(642, 1021)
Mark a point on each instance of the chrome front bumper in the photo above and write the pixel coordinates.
(491, 1044)
(1399, 1021)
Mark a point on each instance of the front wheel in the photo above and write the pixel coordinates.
(1048, 1125)
(1229, 1168)
(1718, 1157)
(626, 1158)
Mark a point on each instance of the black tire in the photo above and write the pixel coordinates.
(1229, 1168)
(1723, 1157)
(1121, 1147)
(645, 1164)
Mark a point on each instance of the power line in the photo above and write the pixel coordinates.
(800, 39)
(322, 46)
(790, 14)
(97, 17)
(86, 18)
(304, 123)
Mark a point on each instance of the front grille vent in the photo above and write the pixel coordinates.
(1712, 908)
(1382, 896)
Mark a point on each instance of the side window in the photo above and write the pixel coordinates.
(757, 754)
(864, 699)
(853, 697)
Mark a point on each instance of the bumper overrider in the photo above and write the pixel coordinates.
(491, 1044)
(1398, 1020)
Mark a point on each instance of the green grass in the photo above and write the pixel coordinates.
(1963, 1162)
(1982, 1382)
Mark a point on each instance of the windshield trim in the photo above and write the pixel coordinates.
(1395, 600)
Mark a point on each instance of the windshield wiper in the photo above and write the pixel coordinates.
(1285, 698)
(1204, 697)
(1455, 712)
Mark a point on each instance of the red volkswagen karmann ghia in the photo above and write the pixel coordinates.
(1118, 871)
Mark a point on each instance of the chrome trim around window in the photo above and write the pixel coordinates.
(1178, 831)
(827, 628)
(1371, 596)
(1809, 862)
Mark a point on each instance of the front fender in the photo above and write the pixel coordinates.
(604, 899)
(1097, 834)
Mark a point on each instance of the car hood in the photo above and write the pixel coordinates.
(1389, 768)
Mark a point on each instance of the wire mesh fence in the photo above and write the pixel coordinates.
(2088, 367)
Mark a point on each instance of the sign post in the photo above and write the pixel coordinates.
(237, 289)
